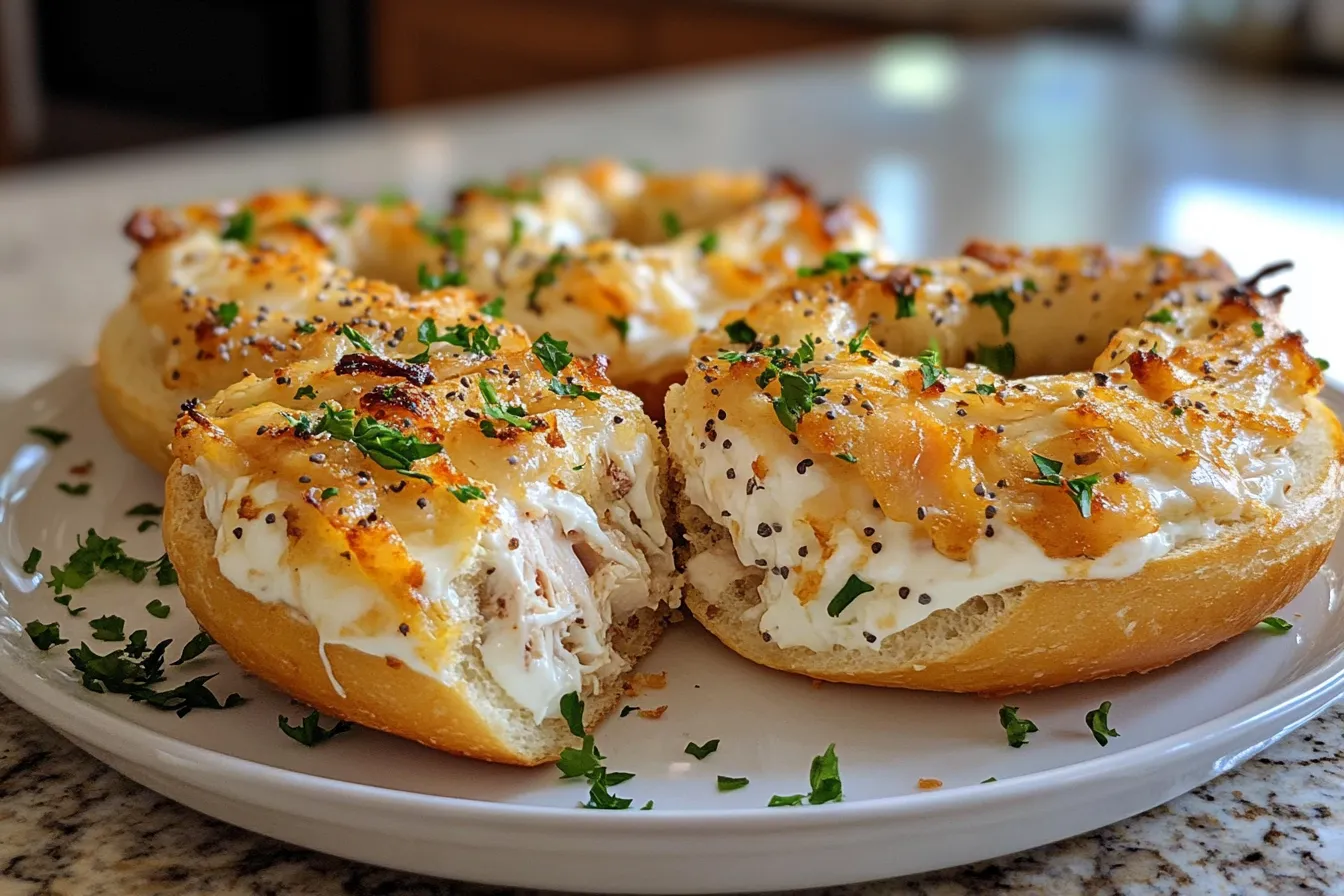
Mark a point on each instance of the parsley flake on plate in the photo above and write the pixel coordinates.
(310, 732)
(1015, 728)
(1275, 624)
(727, 783)
(44, 635)
(793, 800)
(195, 647)
(146, 509)
(34, 558)
(78, 490)
(1099, 724)
(700, 751)
(108, 628)
(56, 437)
(158, 609)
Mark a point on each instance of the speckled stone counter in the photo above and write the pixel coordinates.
(70, 825)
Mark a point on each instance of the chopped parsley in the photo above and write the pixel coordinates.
(439, 281)
(1001, 302)
(1016, 729)
(78, 490)
(671, 224)
(195, 647)
(146, 509)
(1002, 359)
(310, 732)
(305, 328)
(465, 493)
(848, 593)
(857, 342)
(793, 800)
(847, 457)
(931, 367)
(356, 337)
(989, 780)
(740, 331)
(702, 750)
(513, 414)
(708, 243)
(1163, 316)
(1258, 329)
(1323, 364)
(186, 697)
(1275, 624)
(385, 445)
(1079, 489)
(97, 554)
(225, 314)
(515, 231)
(905, 304)
(798, 391)
(986, 389)
(34, 558)
(647, 806)
(622, 325)
(494, 307)
(834, 262)
(586, 761)
(1099, 725)
(241, 226)
(545, 277)
(133, 669)
(44, 635)
(146, 525)
(553, 353)
(56, 437)
(305, 392)
(390, 198)
(158, 609)
(627, 709)
(478, 340)
(825, 778)
(108, 628)
(726, 783)
(330, 491)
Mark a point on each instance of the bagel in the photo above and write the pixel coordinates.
(440, 550)
(209, 305)
(675, 254)
(1158, 479)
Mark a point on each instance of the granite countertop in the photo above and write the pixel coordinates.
(1035, 141)
(71, 825)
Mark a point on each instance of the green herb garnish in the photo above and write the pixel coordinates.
(825, 778)
(78, 490)
(494, 307)
(511, 414)
(1002, 359)
(305, 392)
(671, 224)
(310, 732)
(794, 800)
(1276, 624)
(545, 277)
(986, 389)
(1079, 489)
(515, 231)
(702, 750)
(146, 509)
(857, 342)
(97, 554)
(44, 635)
(726, 783)
(1161, 316)
(931, 367)
(34, 558)
(305, 328)
(108, 628)
(195, 647)
(1015, 728)
(158, 609)
(356, 337)
(1001, 301)
(241, 226)
(708, 243)
(847, 457)
(834, 262)
(740, 331)
(848, 593)
(465, 493)
(1098, 723)
(429, 281)
(478, 339)
(56, 437)
(622, 325)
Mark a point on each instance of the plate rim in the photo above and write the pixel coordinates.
(1280, 710)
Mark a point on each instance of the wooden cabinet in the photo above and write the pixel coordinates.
(430, 50)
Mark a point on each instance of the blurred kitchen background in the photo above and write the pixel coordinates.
(88, 76)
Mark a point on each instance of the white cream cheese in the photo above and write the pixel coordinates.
(773, 531)
(553, 578)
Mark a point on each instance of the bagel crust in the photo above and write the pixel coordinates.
(856, 514)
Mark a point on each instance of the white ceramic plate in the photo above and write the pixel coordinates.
(372, 797)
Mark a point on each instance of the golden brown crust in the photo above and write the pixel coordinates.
(274, 643)
(1049, 634)
(136, 405)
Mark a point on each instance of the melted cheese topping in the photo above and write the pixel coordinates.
(552, 577)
